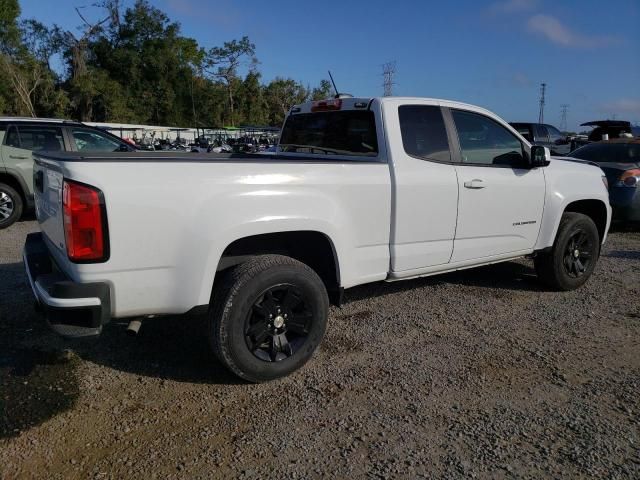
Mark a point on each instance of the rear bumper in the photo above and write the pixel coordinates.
(71, 309)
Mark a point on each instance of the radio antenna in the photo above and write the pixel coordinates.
(334, 84)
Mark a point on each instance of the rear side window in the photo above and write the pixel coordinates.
(541, 133)
(555, 136)
(484, 141)
(13, 140)
(36, 138)
(348, 132)
(524, 130)
(423, 132)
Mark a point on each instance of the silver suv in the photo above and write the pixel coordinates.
(21, 136)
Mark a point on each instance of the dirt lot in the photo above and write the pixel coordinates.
(480, 373)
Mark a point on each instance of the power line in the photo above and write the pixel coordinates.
(564, 109)
(388, 71)
(543, 88)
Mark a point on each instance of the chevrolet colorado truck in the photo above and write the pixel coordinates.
(359, 190)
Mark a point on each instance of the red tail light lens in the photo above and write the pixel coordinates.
(84, 223)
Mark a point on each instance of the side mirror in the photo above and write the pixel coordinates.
(123, 148)
(540, 156)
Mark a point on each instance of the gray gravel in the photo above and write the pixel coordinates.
(474, 374)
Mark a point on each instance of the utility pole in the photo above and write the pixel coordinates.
(564, 108)
(543, 88)
(388, 71)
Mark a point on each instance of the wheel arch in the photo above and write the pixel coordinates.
(313, 248)
(594, 209)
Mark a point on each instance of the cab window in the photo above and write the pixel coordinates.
(484, 141)
(423, 132)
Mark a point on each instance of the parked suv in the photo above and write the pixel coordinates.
(21, 136)
(544, 135)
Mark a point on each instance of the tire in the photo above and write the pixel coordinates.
(10, 206)
(266, 285)
(572, 259)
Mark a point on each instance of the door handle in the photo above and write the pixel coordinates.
(18, 157)
(476, 183)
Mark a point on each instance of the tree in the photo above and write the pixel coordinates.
(222, 63)
(25, 49)
(323, 91)
(82, 87)
(251, 102)
(281, 95)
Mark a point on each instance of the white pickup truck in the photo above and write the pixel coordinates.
(360, 190)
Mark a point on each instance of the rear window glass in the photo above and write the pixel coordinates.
(609, 153)
(348, 132)
(423, 132)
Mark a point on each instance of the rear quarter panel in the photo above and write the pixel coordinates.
(169, 222)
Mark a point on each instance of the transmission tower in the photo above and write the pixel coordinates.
(564, 108)
(543, 88)
(388, 71)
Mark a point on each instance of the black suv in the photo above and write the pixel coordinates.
(21, 136)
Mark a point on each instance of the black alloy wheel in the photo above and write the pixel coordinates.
(278, 324)
(578, 253)
(571, 260)
(268, 316)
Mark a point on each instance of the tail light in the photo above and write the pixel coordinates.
(630, 178)
(85, 223)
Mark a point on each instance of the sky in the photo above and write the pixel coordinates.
(489, 53)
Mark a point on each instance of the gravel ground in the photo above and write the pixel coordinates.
(474, 374)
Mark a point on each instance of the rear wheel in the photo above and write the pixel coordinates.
(573, 256)
(10, 206)
(269, 316)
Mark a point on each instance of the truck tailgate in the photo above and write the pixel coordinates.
(48, 180)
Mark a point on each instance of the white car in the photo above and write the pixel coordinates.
(360, 190)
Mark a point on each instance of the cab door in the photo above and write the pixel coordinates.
(500, 198)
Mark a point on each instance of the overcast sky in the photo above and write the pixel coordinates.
(493, 54)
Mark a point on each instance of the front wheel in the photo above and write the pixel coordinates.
(572, 259)
(269, 315)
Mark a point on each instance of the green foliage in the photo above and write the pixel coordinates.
(137, 67)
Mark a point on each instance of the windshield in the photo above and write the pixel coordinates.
(609, 152)
(348, 132)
